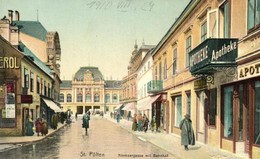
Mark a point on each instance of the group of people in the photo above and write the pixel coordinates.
(40, 127)
(140, 122)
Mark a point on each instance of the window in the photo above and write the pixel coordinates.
(225, 12)
(212, 107)
(253, 14)
(96, 98)
(174, 62)
(88, 97)
(79, 97)
(69, 98)
(114, 98)
(31, 81)
(107, 99)
(155, 73)
(42, 87)
(178, 110)
(160, 71)
(61, 97)
(203, 31)
(188, 49)
(188, 103)
(38, 85)
(45, 88)
(257, 113)
(26, 78)
(49, 90)
(228, 112)
(165, 69)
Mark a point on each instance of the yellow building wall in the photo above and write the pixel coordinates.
(227, 145)
(255, 152)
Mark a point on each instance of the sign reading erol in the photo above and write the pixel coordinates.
(213, 53)
(8, 62)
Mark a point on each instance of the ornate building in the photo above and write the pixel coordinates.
(89, 91)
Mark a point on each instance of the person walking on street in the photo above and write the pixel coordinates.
(134, 125)
(38, 126)
(54, 121)
(44, 129)
(187, 133)
(153, 124)
(140, 122)
(85, 123)
(118, 117)
(145, 123)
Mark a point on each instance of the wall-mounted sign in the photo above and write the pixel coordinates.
(213, 53)
(249, 71)
(26, 99)
(8, 62)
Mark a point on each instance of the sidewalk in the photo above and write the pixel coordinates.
(7, 143)
(171, 144)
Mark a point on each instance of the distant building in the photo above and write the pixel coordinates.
(89, 91)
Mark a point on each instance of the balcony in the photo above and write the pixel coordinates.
(154, 86)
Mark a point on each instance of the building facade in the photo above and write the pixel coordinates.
(31, 81)
(208, 62)
(89, 91)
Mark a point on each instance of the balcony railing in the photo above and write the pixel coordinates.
(154, 86)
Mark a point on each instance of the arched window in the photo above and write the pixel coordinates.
(69, 98)
(88, 97)
(114, 98)
(61, 97)
(107, 99)
(96, 98)
(79, 97)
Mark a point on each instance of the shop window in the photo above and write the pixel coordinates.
(88, 97)
(257, 113)
(253, 19)
(62, 97)
(31, 81)
(79, 97)
(212, 107)
(69, 98)
(178, 110)
(96, 98)
(188, 49)
(174, 62)
(107, 98)
(228, 112)
(114, 98)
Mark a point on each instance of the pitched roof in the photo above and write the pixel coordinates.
(32, 28)
(34, 59)
(113, 84)
(66, 84)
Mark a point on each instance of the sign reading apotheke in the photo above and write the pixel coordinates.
(249, 71)
(213, 53)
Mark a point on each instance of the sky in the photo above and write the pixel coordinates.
(100, 33)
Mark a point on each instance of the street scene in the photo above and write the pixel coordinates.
(130, 79)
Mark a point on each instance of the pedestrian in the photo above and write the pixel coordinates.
(111, 114)
(76, 115)
(145, 123)
(85, 123)
(128, 115)
(140, 122)
(118, 117)
(54, 121)
(29, 126)
(38, 126)
(187, 133)
(44, 129)
(153, 124)
(134, 125)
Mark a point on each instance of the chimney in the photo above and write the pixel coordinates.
(10, 16)
(17, 16)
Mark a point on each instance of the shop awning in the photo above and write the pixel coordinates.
(148, 103)
(119, 106)
(129, 106)
(52, 105)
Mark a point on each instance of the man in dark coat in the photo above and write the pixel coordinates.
(187, 133)
(86, 122)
